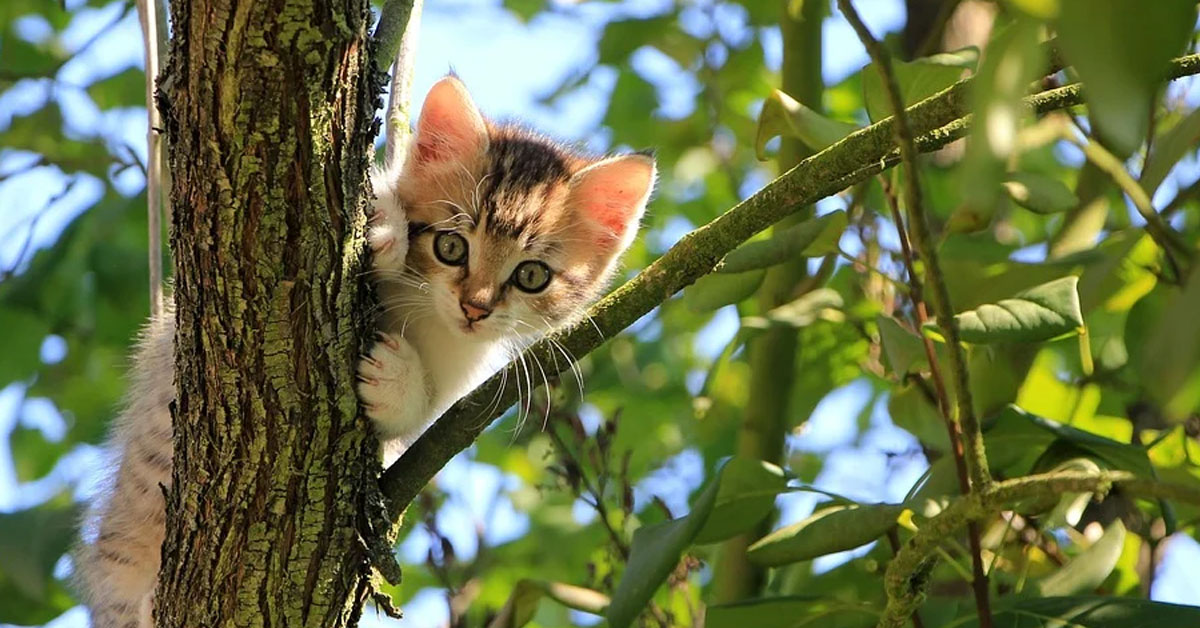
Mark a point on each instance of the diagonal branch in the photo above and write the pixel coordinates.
(936, 121)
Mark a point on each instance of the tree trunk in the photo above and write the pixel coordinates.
(269, 109)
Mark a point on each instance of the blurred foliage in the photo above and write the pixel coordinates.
(1083, 343)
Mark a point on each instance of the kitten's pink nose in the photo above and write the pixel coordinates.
(474, 312)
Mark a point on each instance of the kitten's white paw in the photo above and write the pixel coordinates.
(388, 238)
(392, 387)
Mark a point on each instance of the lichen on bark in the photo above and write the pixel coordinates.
(269, 107)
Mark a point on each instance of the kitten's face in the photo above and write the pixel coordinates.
(511, 235)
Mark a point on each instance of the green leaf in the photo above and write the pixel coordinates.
(523, 603)
(745, 497)
(18, 608)
(21, 335)
(803, 311)
(23, 59)
(1116, 454)
(1120, 49)
(1164, 346)
(1039, 193)
(912, 411)
(903, 348)
(524, 9)
(1013, 61)
(917, 79)
(834, 529)
(718, 290)
(1089, 569)
(783, 115)
(655, 551)
(622, 37)
(31, 542)
(786, 611)
(1040, 313)
(1088, 612)
(124, 89)
(811, 238)
(41, 132)
(1169, 148)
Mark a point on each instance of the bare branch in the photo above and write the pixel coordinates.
(396, 39)
(152, 17)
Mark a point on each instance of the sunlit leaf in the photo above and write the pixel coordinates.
(783, 115)
(523, 603)
(834, 529)
(1164, 345)
(719, 289)
(1039, 193)
(822, 303)
(917, 79)
(1040, 313)
(811, 238)
(1090, 568)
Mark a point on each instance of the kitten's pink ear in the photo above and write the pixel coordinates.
(450, 128)
(611, 196)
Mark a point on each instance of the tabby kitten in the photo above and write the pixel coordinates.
(484, 238)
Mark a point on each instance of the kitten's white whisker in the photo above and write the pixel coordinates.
(545, 387)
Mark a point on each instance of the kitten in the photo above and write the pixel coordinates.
(484, 238)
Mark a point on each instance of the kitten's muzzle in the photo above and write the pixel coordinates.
(474, 312)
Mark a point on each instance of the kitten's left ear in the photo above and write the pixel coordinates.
(450, 130)
(611, 195)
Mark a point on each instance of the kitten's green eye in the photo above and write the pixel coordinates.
(450, 248)
(531, 276)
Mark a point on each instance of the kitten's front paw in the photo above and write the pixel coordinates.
(391, 385)
(388, 238)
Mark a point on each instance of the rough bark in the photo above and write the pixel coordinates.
(269, 109)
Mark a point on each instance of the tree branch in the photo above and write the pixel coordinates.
(908, 572)
(974, 462)
(152, 16)
(936, 121)
(396, 43)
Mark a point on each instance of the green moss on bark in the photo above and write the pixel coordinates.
(269, 108)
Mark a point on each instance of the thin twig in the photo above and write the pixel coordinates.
(153, 41)
(27, 242)
(396, 37)
(975, 455)
(1171, 242)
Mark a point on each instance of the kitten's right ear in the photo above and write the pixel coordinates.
(450, 129)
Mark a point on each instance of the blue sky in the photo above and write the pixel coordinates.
(507, 65)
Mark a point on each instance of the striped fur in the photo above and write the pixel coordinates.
(514, 196)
